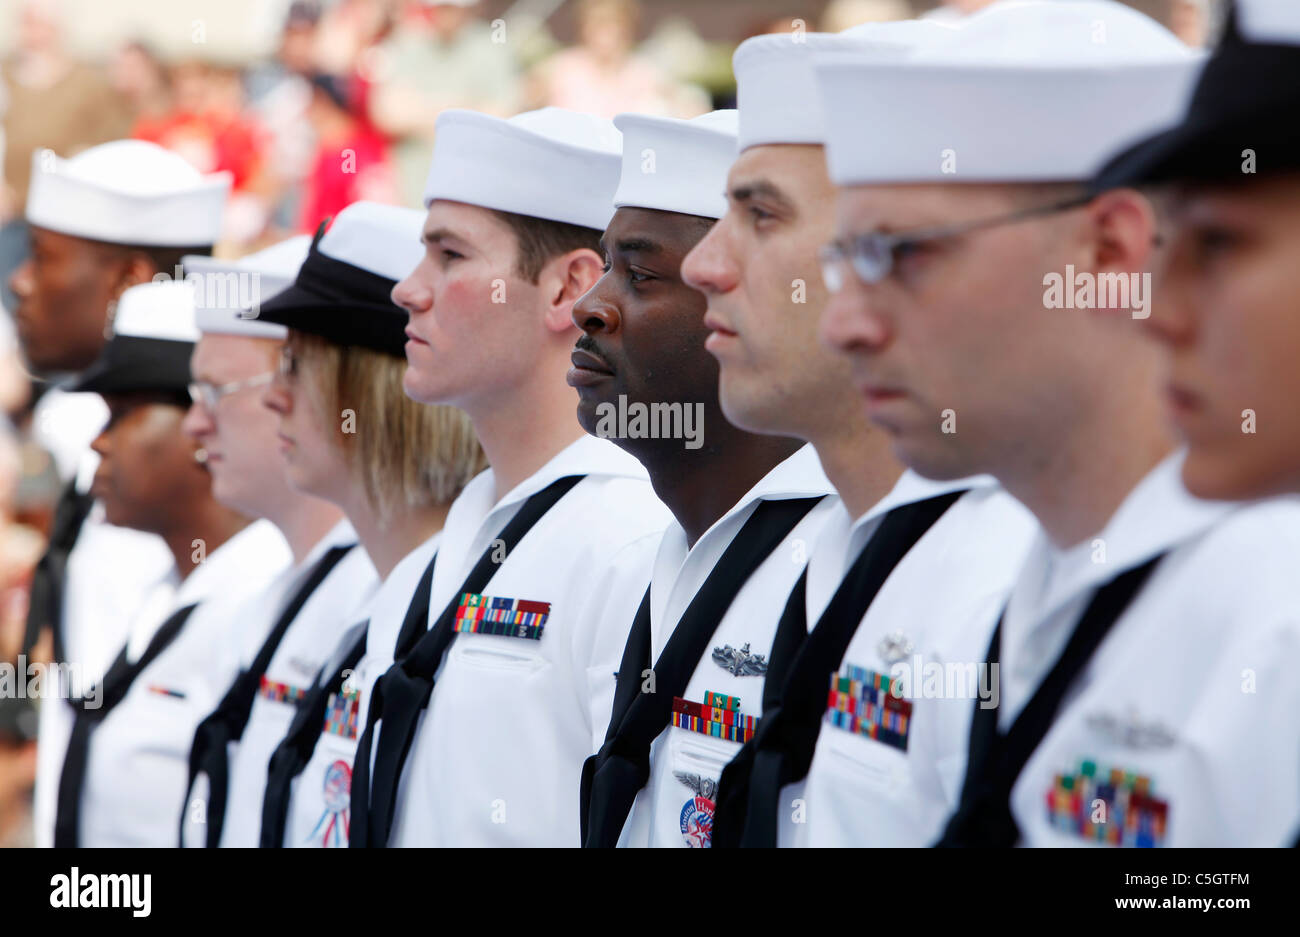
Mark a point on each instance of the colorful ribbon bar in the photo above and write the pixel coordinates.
(720, 723)
(1113, 807)
(341, 714)
(513, 618)
(721, 700)
(280, 692)
(860, 702)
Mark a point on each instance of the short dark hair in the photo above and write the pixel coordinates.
(538, 241)
(164, 259)
(167, 259)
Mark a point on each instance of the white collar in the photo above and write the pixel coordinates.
(253, 554)
(1155, 517)
(797, 476)
(909, 489)
(587, 455)
(342, 534)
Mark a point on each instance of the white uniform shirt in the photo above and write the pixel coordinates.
(110, 572)
(314, 633)
(1192, 695)
(936, 610)
(498, 754)
(320, 812)
(138, 761)
(669, 811)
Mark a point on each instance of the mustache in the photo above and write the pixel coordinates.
(588, 344)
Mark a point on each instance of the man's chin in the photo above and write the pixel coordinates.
(749, 411)
(935, 459)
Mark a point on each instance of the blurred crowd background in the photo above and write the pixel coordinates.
(310, 105)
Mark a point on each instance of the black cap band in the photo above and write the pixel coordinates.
(341, 303)
(131, 363)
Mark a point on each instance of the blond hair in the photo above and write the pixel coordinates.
(406, 454)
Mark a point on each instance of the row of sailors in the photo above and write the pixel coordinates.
(911, 469)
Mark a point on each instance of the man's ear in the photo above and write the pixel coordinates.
(563, 281)
(1124, 228)
(132, 269)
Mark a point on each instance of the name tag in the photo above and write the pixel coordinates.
(719, 716)
(280, 692)
(1115, 807)
(860, 702)
(511, 618)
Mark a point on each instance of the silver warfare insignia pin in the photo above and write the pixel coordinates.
(704, 787)
(740, 663)
(894, 647)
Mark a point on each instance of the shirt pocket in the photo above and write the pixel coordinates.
(696, 763)
(163, 723)
(327, 788)
(864, 760)
(498, 654)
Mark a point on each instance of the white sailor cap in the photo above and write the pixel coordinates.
(127, 192)
(1268, 21)
(775, 94)
(552, 163)
(1041, 90)
(676, 165)
(228, 293)
(153, 337)
(1248, 94)
(342, 292)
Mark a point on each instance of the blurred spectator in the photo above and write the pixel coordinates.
(207, 124)
(21, 545)
(142, 80)
(279, 95)
(348, 29)
(53, 101)
(953, 10)
(605, 75)
(15, 386)
(441, 55)
(839, 15)
(351, 160)
(17, 772)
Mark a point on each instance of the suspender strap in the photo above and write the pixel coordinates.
(403, 692)
(209, 753)
(733, 787)
(45, 609)
(983, 817)
(612, 777)
(112, 690)
(295, 750)
(787, 734)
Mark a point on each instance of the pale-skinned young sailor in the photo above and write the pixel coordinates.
(123, 778)
(745, 505)
(1148, 649)
(1229, 179)
(281, 637)
(112, 216)
(878, 771)
(394, 466)
(545, 558)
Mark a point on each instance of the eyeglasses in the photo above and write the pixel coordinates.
(875, 254)
(210, 394)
